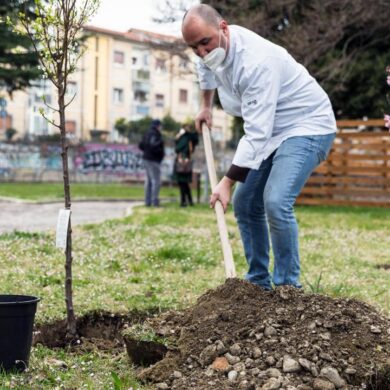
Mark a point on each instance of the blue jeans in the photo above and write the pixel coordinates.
(265, 201)
(152, 182)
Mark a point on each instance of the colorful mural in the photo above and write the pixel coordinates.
(124, 161)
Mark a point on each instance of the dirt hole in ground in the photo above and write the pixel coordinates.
(383, 266)
(102, 330)
(379, 380)
(144, 353)
(239, 336)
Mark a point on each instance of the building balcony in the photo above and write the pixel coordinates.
(141, 75)
(141, 86)
(141, 110)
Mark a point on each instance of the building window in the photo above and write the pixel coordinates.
(161, 65)
(159, 100)
(134, 60)
(6, 121)
(40, 125)
(42, 98)
(118, 95)
(146, 59)
(142, 110)
(119, 57)
(70, 127)
(71, 88)
(183, 96)
(140, 96)
(142, 74)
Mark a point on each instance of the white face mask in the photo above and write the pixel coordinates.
(215, 58)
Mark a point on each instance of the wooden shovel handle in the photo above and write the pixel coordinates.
(223, 232)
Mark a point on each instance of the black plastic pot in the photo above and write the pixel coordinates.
(17, 314)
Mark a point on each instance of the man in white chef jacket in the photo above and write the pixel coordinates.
(289, 128)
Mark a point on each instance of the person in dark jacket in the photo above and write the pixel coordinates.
(152, 146)
(184, 147)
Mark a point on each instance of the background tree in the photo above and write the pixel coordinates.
(55, 34)
(170, 125)
(344, 44)
(121, 127)
(9, 133)
(171, 11)
(133, 130)
(18, 59)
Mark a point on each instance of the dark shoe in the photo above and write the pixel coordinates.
(183, 204)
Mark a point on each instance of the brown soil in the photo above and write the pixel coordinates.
(383, 266)
(144, 353)
(262, 331)
(241, 330)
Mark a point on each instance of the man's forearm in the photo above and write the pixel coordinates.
(207, 98)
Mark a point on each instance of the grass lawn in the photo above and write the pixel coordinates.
(55, 191)
(167, 257)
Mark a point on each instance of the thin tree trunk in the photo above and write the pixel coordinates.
(71, 320)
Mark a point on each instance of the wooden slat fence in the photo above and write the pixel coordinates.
(357, 171)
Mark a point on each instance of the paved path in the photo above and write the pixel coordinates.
(33, 217)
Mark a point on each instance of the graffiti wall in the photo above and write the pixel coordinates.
(111, 160)
(34, 158)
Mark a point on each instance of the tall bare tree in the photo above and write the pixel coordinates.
(311, 29)
(55, 32)
(344, 44)
(170, 11)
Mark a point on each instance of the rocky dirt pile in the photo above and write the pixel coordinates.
(239, 336)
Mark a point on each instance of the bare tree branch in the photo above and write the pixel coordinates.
(47, 105)
(71, 100)
(51, 121)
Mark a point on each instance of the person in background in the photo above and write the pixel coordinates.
(152, 146)
(185, 143)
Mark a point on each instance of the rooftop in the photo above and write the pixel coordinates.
(135, 35)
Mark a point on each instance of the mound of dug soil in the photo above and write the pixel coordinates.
(239, 336)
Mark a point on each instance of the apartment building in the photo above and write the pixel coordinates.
(128, 75)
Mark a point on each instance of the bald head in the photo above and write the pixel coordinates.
(205, 13)
(204, 29)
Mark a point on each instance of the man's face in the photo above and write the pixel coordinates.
(203, 38)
